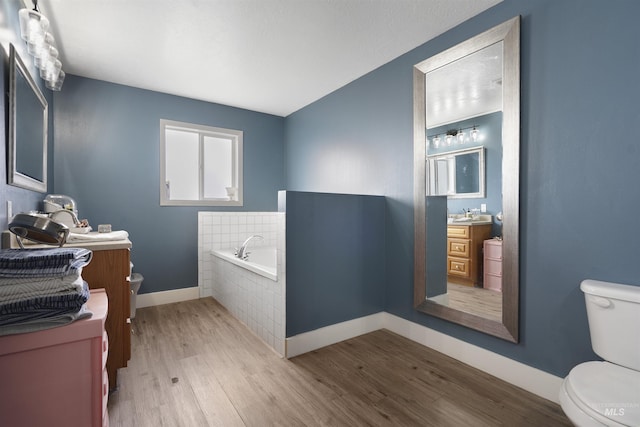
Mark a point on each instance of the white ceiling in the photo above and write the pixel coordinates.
(272, 56)
(468, 87)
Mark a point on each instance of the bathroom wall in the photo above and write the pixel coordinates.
(22, 200)
(257, 301)
(580, 63)
(108, 160)
(335, 258)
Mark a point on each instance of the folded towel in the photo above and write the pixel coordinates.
(42, 262)
(43, 319)
(97, 237)
(39, 289)
(53, 282)
(72, 300)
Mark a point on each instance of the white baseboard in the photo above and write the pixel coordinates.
(524, 376)
(313, 340)
(167, 297)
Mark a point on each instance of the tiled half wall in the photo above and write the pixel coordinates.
(255, 300)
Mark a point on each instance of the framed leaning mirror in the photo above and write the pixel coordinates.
(466, 182)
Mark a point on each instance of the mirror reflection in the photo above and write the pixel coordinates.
(457, 174)
(466, 115)
(464, 101)
(28, 116)
(468, 93)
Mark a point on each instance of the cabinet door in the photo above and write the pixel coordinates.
(493, 249)
(109, 270)
(492, 266)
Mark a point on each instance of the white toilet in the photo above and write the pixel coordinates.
(607, 393)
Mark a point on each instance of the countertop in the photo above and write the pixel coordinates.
(9, 241)
(470, 222)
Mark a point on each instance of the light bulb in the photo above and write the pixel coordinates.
(474, 134)
(51, 70)
(436, 141)
(46, 55)
(40, 43)
(32, 22)
(449, 138)
(57, 84)
(461, 137)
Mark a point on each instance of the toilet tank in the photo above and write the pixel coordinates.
(613, 311)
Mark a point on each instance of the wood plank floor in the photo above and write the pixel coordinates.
(481, 302)
(193, 364)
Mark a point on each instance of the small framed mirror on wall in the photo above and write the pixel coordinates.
(28, 128)
(466, 182)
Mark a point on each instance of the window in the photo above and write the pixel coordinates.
(200, 165)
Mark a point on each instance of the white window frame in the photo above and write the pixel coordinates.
(235, 135)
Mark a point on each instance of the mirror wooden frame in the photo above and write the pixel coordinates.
(508, 33)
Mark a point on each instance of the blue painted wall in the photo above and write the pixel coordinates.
(107, 140)
(335, 258)
(23, 200)
(579, 177)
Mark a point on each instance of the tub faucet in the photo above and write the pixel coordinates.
(242, 253)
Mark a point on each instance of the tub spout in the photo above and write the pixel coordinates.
(242, 253)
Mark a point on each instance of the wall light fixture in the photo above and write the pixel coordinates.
(456, 136)
(41, 45)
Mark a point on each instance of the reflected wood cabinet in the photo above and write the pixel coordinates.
(464, 253)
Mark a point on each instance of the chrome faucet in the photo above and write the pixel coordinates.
(242, 253)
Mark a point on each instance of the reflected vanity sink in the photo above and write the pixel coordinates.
(475, 220)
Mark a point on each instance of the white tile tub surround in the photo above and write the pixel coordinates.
(256, 301)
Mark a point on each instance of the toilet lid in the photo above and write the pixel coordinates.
(612, 391)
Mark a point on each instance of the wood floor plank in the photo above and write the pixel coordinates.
(211, 397)
(193, 364)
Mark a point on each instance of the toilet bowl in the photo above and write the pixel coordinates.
(601, 394)
(607, 393)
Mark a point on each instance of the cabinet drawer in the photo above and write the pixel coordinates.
(459, 267)
(458, 248)
(493, 249)
(105, 348)
(105, 391)
(492, 266)
(458, 231)
(492, 282)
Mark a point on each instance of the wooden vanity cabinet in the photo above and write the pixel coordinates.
(109, 270)
(464, 253)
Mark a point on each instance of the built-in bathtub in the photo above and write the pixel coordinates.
(253, 290)
(262, 260)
